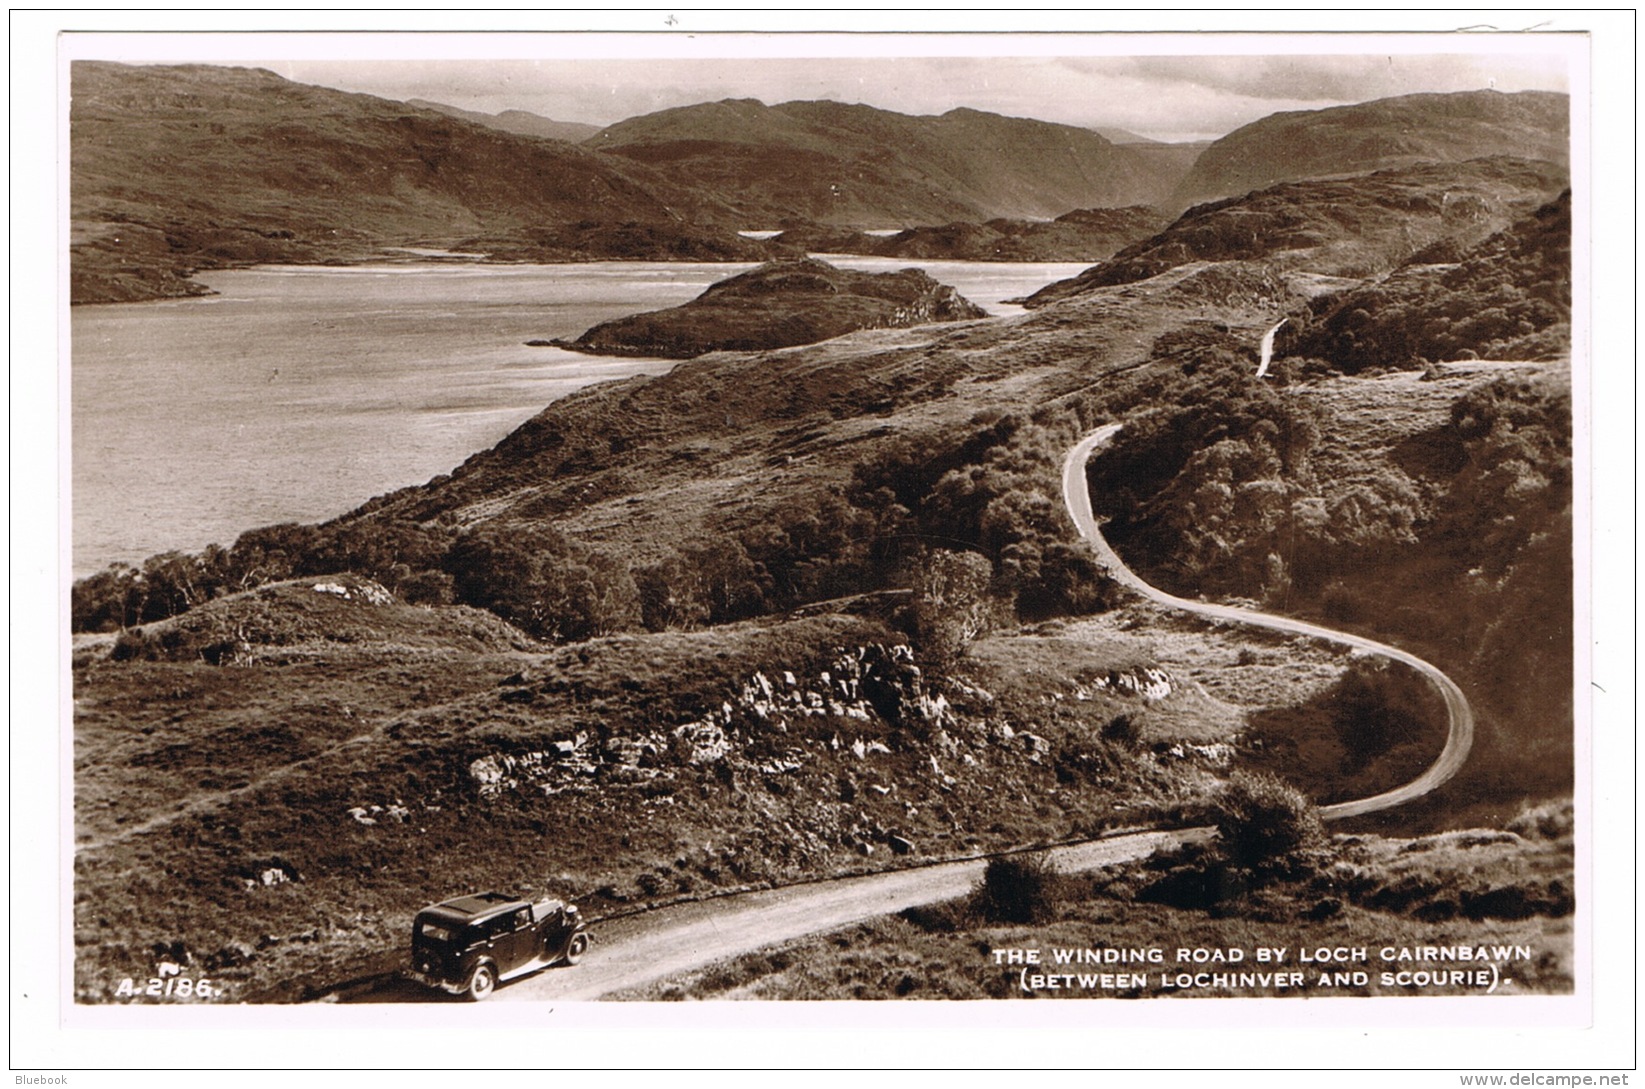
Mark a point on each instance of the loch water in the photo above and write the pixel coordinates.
(296, 392)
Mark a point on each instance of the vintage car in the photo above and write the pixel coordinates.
(470, 944)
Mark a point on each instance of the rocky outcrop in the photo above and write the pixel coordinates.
(863, 687)
(779, 305)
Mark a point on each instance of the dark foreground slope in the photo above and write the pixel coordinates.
(1379, 135)
(849, 165)
(178, 168)
(779, 305)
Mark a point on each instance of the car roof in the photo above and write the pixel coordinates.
(478, 905)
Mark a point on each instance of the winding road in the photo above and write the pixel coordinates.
(649, 946)
(1458, 739)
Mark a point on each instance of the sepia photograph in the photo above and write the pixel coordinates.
(825, 522)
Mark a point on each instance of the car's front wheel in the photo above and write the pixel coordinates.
(575, 949)
(481, 983)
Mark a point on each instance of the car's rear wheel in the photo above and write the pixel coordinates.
(575, 948)
(482, 983)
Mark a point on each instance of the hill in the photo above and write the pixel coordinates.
(1356, 227)
(1378, 135)
(1085, 234)
(779, 305)
(1508, 297)
(519, 122)
(185, 167)
(851, 165)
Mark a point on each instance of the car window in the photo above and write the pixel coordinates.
(508, 923)
(437, 932)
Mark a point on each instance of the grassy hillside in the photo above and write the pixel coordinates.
(1379, 135)
(275, 819)
(852, 165)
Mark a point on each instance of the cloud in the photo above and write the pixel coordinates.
(1351, 78)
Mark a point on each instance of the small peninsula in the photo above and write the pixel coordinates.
(780, 304)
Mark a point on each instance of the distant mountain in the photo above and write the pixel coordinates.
(178, 168)
(851, 165)
(1120, 136)
(1358, 226)
(519, 122)
(1378, 135)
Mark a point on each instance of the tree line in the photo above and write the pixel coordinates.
(973, 506)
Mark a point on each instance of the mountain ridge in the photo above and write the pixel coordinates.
(519, 122)
(1379, 134)
(851, 164)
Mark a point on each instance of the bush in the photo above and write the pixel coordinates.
(131, 644)
(1550, 821)
(1378, 706)
(951, 606)
(1262, 819)
(1019, 889)
(1123, 730)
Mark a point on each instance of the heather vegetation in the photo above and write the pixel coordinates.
(1218, 485)
(1359, 226)
(1507, 298)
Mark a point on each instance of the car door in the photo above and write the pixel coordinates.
(515, 940)
(551, 932)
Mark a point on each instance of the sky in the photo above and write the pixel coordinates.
(1161, 97)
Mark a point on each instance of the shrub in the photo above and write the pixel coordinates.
(1123, 729)
(1378, 705)
(1551, 821)
(947, 917)
(1262, 819)
(1019, 889)
(130, 644)
(951, 605)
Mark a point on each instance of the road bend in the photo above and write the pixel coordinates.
(640, 949)
(1459, 737)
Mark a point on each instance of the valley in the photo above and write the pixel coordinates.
(710, 635)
